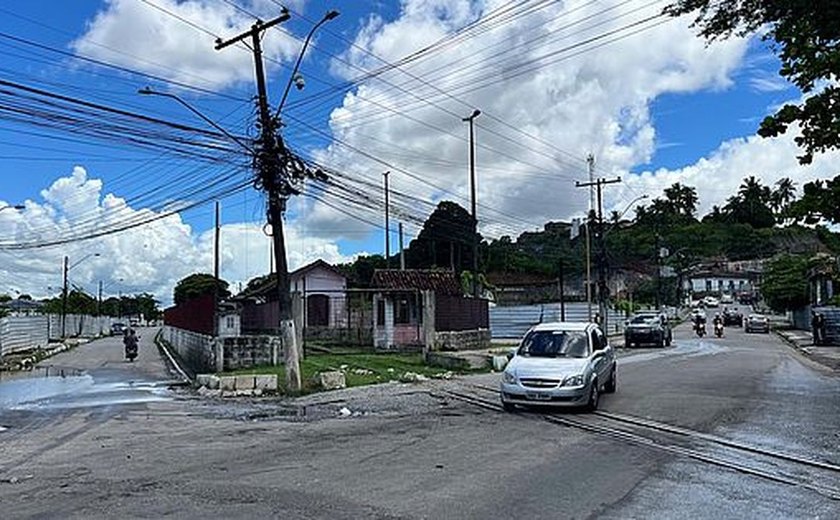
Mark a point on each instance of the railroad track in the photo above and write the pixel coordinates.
(768, 464)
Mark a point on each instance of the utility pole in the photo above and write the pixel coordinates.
(561, 283)
(590, 160)
(216, 272)
(471, 120)
(64, 298)
(99, 302)
(402, 249)
(271, 161)
(601, 259)
(387, 223)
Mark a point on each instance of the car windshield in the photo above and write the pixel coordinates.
(644, 318)
(555, 343)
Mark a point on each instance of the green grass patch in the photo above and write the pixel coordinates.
(359, 369)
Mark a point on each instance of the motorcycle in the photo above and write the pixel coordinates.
(131, 352)
(719, 330)
(700, 329)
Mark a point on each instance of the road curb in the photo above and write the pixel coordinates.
(827, 363)
(161, 345)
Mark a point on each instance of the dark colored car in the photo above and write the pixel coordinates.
(647, 328)
(117, 328)
(733, 318)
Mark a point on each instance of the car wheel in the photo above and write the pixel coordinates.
(611, 385)
(508, 407)
(594, 397)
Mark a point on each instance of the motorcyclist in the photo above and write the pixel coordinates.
(699, 321)
(718, 323)
(131, 342)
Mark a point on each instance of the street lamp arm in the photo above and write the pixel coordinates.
(632, 202)
(82, 260)
(327, 17)
(147, 91)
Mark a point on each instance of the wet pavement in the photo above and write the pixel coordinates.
(110, 440)
(94, 374)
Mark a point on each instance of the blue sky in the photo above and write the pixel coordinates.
(656, 108)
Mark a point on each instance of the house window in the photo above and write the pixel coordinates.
(708, 286)
(380, 313)
(230, 323)
(402, 311)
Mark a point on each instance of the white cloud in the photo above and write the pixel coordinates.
(598, 102)
(134, 34)
(150, 258)
(718, 176)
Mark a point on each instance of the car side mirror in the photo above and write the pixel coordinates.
(511, 353)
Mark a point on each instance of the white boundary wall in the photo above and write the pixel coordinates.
(23, 333)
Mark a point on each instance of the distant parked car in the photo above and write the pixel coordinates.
(117, 328)
(757, 323)
(560, 364)
(647, 328)
(711, 301)
(727, 299)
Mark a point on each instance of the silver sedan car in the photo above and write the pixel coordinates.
(560, 364)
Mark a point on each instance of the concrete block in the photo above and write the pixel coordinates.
(227, 383)
(265, 382)
(245, 383)
(331, 380)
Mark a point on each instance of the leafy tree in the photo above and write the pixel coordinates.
(359, 273)
(785, 283)
(197, 285)
(446, 239)
(5, 298)
(820, 201)
(805, 35)
(751, 205)
(25, 297)
(682, 199)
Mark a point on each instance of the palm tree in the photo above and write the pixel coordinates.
(682, 199)
(783, 195)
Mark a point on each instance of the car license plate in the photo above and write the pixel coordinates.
(538, 396)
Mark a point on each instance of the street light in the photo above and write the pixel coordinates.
(15, 206)
(295, 77)
(101, 288)
(67, 268)
(471, 119)
(147, 91)
(620, 215)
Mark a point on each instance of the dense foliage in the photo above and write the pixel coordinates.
(199, 284)
(805, 34)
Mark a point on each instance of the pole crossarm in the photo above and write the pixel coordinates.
(601, 259)
(256, 29)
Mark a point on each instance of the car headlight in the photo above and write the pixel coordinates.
(573, 381)
(508, 377)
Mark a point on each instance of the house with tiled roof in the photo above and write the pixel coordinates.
(424, 308)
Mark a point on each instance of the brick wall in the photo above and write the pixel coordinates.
(248, 351)
(462, 340)
(205, 354)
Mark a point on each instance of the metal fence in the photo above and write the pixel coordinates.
(18, 333)
(514, 321)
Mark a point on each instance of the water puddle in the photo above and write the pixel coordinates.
(51, 388)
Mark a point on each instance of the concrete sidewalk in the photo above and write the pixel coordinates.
(828, 356)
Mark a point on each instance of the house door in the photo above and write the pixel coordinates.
(318, 310)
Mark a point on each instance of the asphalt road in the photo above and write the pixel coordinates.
(412, 451)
